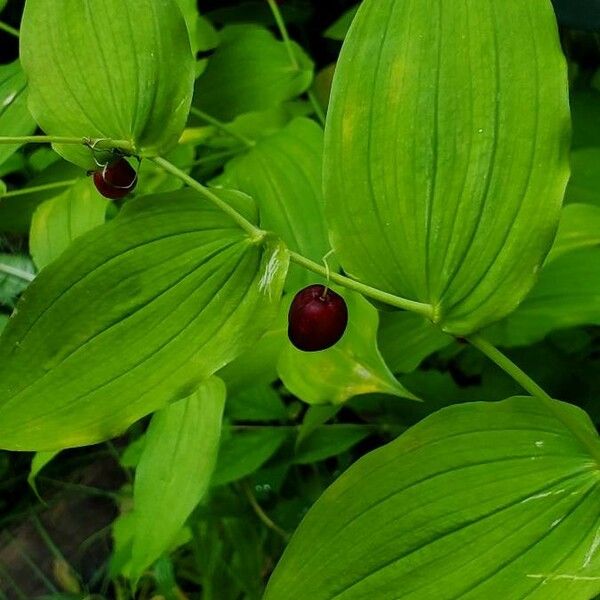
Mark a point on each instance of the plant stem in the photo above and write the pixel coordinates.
(254, 231)
(529, 385)
(8, 29)
(317, 108)
(261, 514)
(38, 188)
(284, 33)
(222, 126)
(16, 272)
(100, 143)
(404, 303)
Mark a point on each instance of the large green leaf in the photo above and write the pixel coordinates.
(444, 182)
(120, 69)
(133, 314)
(283, 174)
(174, 470)
(14, 115)
(482, 500)
(567, 294)
(250, 71)
(57, 222)
(353, 366)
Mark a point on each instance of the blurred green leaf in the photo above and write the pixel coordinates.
(329, 441)
(133, 315)
(579, 228)
(91, 75)
(584, 185)
(257, 403)
(250, 71)
(152, 179)
(174, 470)
(444, 183)
(283, 174)
(17, 211)
(406, 339)
(38, 462)
(405, 517)
(15, 118)
(15, 273)
(567, 294)
(243, 452)
(353, 366)
(339, 29)
(57, 222)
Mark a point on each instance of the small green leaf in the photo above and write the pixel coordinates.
(17, 211)
(174, 470)
(257, 403)
(38, 462)
(250, 71)
(16, 272)
(283, 174)
(579, 228)
(444, 183)
(246, 451)
(93, 75)
(406, 339)
(482, 500)
(567, 294)
(153, 179)
(339, 29)
(57, 222)
(15, 118)
(133, 315)
(329, 441)
(353, 366)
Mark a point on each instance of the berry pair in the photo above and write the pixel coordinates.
(117, 179)
(317, 319)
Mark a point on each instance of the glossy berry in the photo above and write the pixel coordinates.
(116, 179)
(317, 318)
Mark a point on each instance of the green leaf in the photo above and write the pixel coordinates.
(15, 118)
(579, 228)
(17, 211)
(175, 469)
(153, 179)
(329, 441)
(93, 75)
(482, 500)
(38, 462)
(3, 321)
(339, 29)
(406, 339)
(257, 403)
(250, 71)
(567, 294)
(133, 315)
(444, 183)
(283, 174)
(353, 366)
(57, 222)
(16, 270)
(584, 185)
(246, 451)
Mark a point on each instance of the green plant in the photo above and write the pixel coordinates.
(444, 162)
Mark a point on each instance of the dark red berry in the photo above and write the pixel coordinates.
(116, 179)
(317, 318)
